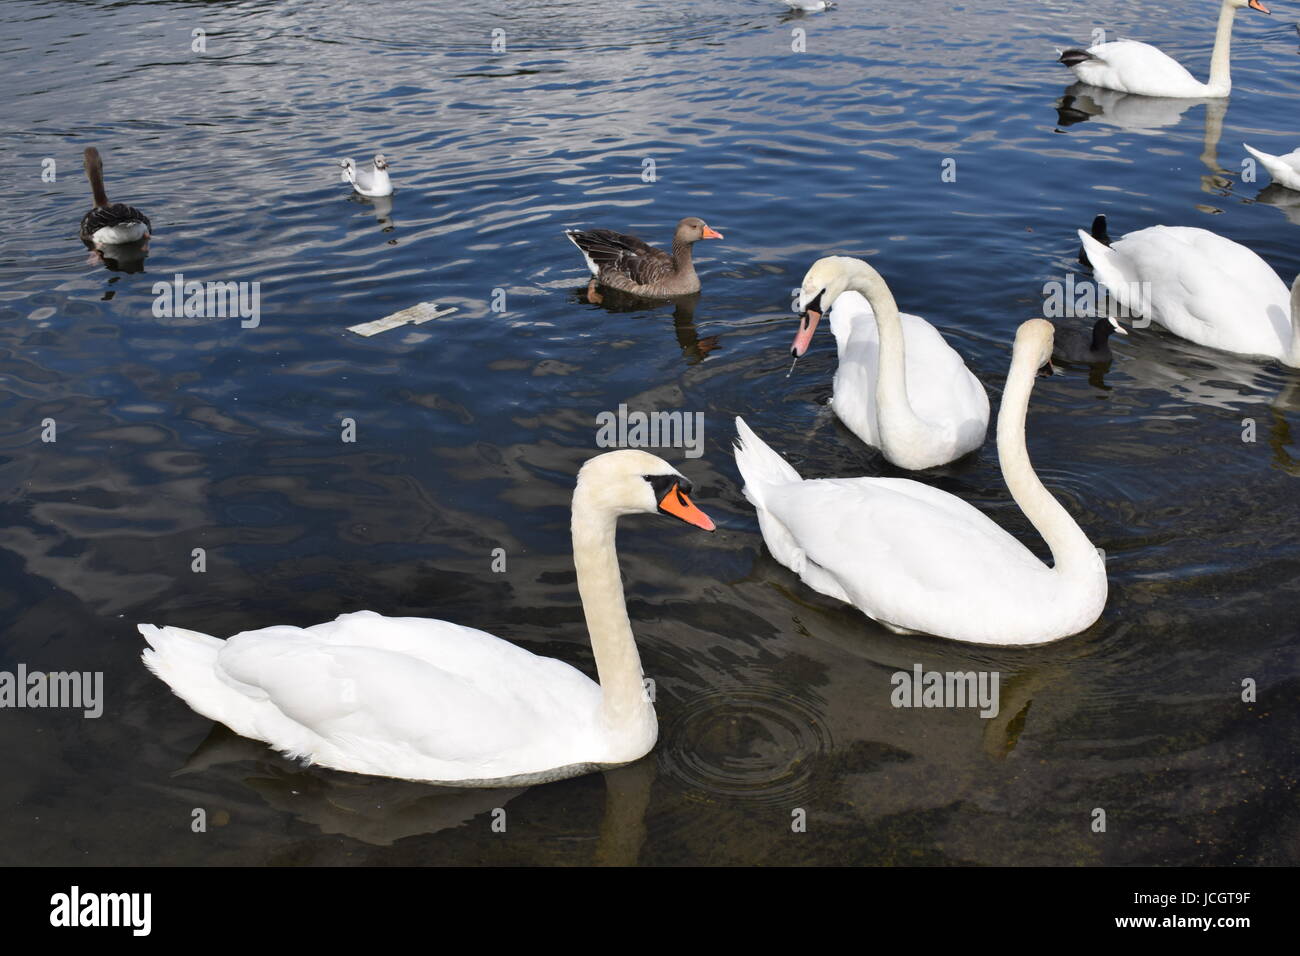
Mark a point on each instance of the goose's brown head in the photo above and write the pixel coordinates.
(693, 229)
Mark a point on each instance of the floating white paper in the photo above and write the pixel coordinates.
(415, 315)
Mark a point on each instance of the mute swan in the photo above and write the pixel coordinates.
(1133, 67)
(429, 700)
(899, 386)
(1285, 170)
(629, 265)
(1202, 287)
(369, 180)
(917, 559)
(109, 224)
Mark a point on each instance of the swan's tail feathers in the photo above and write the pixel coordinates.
(759, 465)
(1114, 272)
(1101, 234)
(1076, 56)
(186, 661)
(1276, 168)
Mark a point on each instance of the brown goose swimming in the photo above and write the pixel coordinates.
(109, 224)
(627, 264)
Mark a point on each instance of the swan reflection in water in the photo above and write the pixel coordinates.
(382, 810)
(1081, 103)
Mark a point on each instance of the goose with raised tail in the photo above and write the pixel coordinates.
(1285, 170)
(1201, 287)
(627, 264)
(429, 700)
(1133, 67)
(369, 180)
(899, 386)
(109, 224)
(920, 560)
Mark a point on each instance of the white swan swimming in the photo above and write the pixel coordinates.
(1285, 170)
(429, 700)
(1133, 67)
(899, 386)
(918, 559)
(369, 180)
(1202, 287)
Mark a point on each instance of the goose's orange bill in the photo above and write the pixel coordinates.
(678, 505)
(711, 233)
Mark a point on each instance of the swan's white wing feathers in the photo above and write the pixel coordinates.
(1200, 286)
(408, 689)
(878, 536)
(1130, 66)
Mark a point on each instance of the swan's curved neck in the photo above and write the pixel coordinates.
(1072, 552)
(624, 702)
(1220, 72)
(898, 423)
(1293, 359)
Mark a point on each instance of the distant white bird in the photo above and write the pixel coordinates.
(368, 180)
(810, 6)
(1133, 67)
(1285, 170)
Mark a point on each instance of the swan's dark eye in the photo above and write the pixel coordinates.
(816, 304)
(662, 484)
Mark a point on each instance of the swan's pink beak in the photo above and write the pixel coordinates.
(679, 506)
(1256, 5)
(711, 233)
(803, 338)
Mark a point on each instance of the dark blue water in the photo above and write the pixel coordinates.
(183, 433)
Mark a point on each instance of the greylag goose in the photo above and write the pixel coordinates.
(629, 265)
(1075, 345)
(109, 224)
(368, 180)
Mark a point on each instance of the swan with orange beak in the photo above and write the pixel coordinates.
(899, 386)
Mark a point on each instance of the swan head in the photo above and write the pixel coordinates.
(821, 286)
(628, 481)
(380, 161)
(1034, 345)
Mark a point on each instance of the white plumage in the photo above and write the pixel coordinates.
(1285, 170)
(1202, 287)
(371, 180)
(918, 559)
(942, 411)
(1133, 67)
(430, 700)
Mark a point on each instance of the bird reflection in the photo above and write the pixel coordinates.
(694, 346)
(1286, 201)
(128, 258)
(382, 810)
(1081, 103)
(382, 206)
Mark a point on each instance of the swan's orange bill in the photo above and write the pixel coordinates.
(678, 505)
(1256, 5)
(803, 338)
(711, 233)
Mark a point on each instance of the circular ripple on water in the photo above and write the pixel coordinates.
(756, 744)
